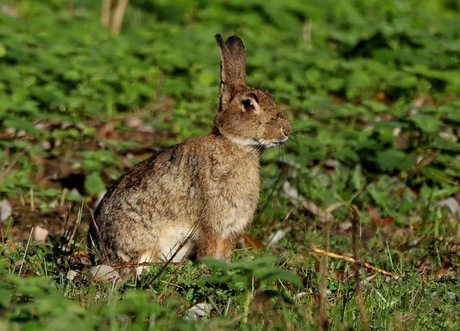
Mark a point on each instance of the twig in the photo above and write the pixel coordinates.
(77, 223)
(444, 179)
(351, 260)
(170, 279)
(65, 191)
(323, 269)
(99, 236)
(357, 267)
(5, 171)
(322, 284)
(143, 264)
(105, 12)
(32, 203)
(65, 233)
(118, 15)
(112, 14)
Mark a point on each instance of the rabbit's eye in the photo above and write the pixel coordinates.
(248, 105)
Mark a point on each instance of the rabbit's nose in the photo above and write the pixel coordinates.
(286, 129)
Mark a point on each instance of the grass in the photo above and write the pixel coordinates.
(255, 291)
(240, 296)
(371, 170)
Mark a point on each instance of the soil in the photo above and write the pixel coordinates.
(60, 168)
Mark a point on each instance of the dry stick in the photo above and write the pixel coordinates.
(323, 270)
(101, 242)
(77, 224)
(322, 284)
(357, 267)
(177, 282)
(65, 233)
(445, 179)
(32, 203)
(169, 281)
(269, 309)
(65, 191)
(25, 252)
(351, 260)
(5, 171)
(118, 16)
(285, 313)
(142, 264)
(106, 11)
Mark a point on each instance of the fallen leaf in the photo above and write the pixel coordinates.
(373, 213)
(252, 242)
(453, 206)
(6, 210)
(133, 121)
(200, 310)
(40, 234)
(277, 236)
(299, 201)
(71, 274)
(107, 131)
(387, 221)
(366, 281)
(344, 227)
(104, 273)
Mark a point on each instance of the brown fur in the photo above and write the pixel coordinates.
(202, 193)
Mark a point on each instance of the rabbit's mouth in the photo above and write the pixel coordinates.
(258, 143)
(272, 142)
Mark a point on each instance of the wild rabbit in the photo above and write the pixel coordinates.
(195, 198)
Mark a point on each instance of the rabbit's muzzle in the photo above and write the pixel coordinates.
(286, 130)
(279, 134)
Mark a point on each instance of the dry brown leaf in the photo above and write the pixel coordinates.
(107, 131)
(252, 242)
(104, 273)
(373, 213)
(6, 210)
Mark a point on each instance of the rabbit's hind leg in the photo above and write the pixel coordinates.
(216, 247)
(178, 243)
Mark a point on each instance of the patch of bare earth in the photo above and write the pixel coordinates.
(59, 167)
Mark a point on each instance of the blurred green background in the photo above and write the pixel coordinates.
(371, 88)
(368, 84)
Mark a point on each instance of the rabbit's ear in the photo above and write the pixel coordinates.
(232, 65)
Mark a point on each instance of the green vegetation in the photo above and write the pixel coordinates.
(372, 91)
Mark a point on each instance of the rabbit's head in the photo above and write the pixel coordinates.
(247, 116)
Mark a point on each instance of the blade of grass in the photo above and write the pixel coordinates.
(25, 251)
(8, 227)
